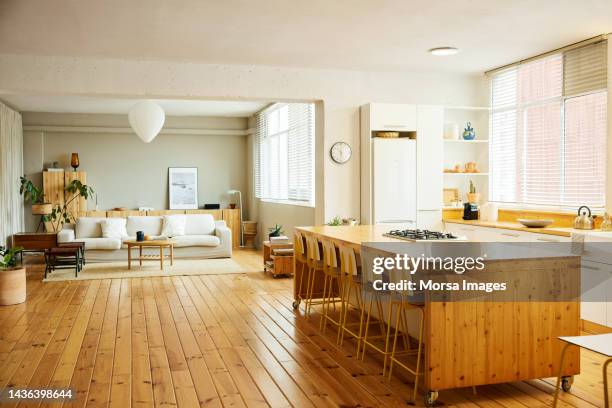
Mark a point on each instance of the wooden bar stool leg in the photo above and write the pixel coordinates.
(605, 383)
(323, 320)
(367, 327)
(560, 374)
(420, 350)
(397, 326)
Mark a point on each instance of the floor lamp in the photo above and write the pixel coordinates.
(240, 204)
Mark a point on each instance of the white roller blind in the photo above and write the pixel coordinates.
(284, 153)
(548, 131)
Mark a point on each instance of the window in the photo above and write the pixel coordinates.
(548, 130)
(284, 153)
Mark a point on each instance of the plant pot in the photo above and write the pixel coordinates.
(12, 286)
(473, 198)
(42, 209)
(232, 206)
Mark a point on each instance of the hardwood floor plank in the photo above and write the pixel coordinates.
(99, 390)
(162, 385)
(121, 380)
(142, 392)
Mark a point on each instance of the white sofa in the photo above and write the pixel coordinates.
(203, 237)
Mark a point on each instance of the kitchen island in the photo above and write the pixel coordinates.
(469, 343)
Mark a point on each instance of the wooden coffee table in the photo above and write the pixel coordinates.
(160, 243)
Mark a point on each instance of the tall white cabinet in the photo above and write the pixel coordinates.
(424, 125)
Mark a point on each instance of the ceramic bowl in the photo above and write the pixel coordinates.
(535, 223)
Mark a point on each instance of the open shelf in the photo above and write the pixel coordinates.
(466, 141)
(467, 174)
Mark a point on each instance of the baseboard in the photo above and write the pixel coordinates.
(594, 328)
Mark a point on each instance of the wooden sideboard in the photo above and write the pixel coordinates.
(231, 216)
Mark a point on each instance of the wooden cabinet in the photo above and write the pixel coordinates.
(54, 188)
(393, 116)
(232, 219)
(79, 204)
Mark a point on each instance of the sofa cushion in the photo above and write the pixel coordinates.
(196, 240)
(113, 227)
(88, 227)
(101, 243)
(173, 225)
(199, 224)
(150, 225)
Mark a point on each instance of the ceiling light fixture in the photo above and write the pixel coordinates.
(146, 119)
(444, 51)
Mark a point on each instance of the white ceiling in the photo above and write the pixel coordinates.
(78, 104)
(348, 34)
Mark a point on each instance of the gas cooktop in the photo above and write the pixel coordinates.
(420, 235)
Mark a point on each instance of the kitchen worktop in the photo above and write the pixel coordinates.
(562, 232)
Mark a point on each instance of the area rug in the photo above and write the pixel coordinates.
(118, 270)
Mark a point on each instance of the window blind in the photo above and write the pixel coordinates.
(585, 69)
(548, 130)
(283, 152)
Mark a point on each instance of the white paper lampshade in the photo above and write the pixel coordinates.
(147, 119)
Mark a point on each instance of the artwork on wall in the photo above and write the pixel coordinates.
(183, 188)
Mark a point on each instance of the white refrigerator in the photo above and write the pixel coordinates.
(394, 181)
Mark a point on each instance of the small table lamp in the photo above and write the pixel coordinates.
(240, 203)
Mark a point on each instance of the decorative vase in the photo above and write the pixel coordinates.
(469, 133)
(74, 161)
(12, 286)
(232, 205)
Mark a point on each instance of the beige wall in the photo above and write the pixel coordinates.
(125, 172)
(341, 93)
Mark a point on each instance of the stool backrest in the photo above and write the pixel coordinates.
(299, 246)
(348, 261)
(330, 258)
(312, 248)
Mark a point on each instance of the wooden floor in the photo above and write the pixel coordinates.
(215, 341)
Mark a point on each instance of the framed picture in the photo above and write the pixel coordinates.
(183, 188)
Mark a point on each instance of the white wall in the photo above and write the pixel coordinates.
(125, 172)
(340, 92)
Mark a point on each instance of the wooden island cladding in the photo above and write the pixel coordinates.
(469, 343)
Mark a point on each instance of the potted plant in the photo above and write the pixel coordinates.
(473, 197)
(34, 196)
(275, 231)
(12, 278)
(334, 222)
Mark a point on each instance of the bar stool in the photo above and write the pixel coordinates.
(333, 280)
(299, 252)
(381, 343)
(314, 262)
(351, 296)
(404, 307)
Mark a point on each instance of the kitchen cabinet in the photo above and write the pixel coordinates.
(596, 288)
(429, 157)
(393, 116)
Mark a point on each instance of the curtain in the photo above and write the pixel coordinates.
(11, 167)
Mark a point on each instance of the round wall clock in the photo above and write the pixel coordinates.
(340, 152)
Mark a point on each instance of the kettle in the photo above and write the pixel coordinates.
(584, 221)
